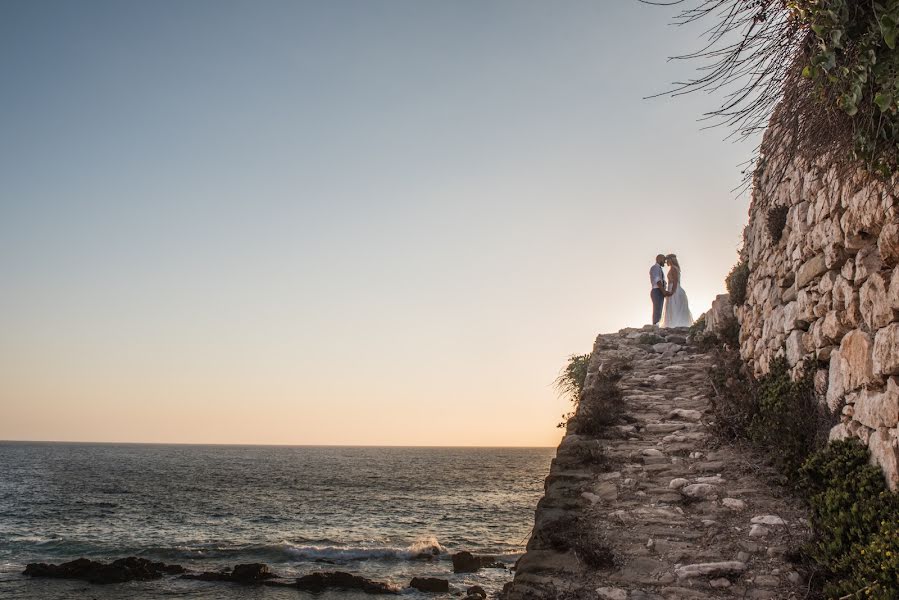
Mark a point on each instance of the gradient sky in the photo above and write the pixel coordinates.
(341, 222)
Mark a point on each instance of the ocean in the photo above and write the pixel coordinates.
(371, 511)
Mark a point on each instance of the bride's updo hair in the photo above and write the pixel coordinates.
(672, 260)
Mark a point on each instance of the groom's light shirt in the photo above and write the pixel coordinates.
(656, 275)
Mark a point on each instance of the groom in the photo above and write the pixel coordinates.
(657, 280)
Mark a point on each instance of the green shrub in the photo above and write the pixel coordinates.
(780, 416)
(853, 60)
(727, 337)
(789, 421)
(733, 399)
(777, 222)
(601, 404)
(736, 282)
(697, 329)
(854, 520)
(569, 533)
(571, 380)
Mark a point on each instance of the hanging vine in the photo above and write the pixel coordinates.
(821, 75)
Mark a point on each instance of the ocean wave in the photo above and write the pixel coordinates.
(311, 551)
(424, 549)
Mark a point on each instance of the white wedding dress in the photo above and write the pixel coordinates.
(677, 308)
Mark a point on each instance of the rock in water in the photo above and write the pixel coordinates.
(318, 582)
(476, 592)
(131, 568)
(429, 584)
(251, 573)
(466, 562)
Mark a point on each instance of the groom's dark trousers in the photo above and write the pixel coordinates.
(658, 299)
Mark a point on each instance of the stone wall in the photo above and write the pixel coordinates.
(828, 290)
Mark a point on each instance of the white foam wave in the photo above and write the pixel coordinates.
(428, 548)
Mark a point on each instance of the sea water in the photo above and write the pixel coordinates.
(372, 511)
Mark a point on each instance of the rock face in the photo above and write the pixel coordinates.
(721, 312)
(118, 571)
(649, 509)
(828, 290)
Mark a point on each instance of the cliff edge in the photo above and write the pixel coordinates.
(650, 507)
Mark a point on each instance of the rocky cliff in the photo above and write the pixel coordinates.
(823, 289)
(650, 507)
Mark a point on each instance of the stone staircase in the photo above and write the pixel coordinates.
(657, 508)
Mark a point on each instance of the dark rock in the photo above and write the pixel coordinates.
(245, 573)
(252, 572)
(318, 582)
(429, 584)
(466, 562)
(476, 591)
(118, 571)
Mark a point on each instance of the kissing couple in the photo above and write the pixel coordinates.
(676, 311)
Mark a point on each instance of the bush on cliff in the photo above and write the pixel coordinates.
(780, 416)
(601, 404)
(733, 399)
(736, 282)
(570, 381)
(572, 534)
(855, 521)
(777, 222)
(789, 422)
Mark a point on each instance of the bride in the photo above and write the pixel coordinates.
(677, 307)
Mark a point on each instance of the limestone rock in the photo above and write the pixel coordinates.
(811, 269)
(733, 503)
(720, 314)
(838, 433)
(757, 531)
(888, 244)
(894, 289)
(700, 491)
(712, 569)
(867, 262)
(833, 328)
(610, 593)
(798, 345)
(685, 414)
(767, 520)
(835, 387)
(878, 409)
(857, 363)
(885, 360)
(875, 303)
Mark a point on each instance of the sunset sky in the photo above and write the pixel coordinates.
(341, 222)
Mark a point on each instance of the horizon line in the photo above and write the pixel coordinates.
(5, 441)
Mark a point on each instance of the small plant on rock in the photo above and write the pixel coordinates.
(789, 420)
(777, 222)
(570, 381)
(601, 404)
(569, 533)
(736, 282)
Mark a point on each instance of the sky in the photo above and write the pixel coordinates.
(381, 222)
